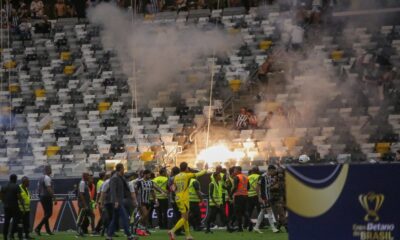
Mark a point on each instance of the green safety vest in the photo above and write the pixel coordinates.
(216, 194)
(193, 197)
(253, 179)
(161, 182)
(220, 184)
(99, 184)
(26, 196)
(230, 185)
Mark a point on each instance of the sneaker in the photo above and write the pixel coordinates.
(257, 230)
(189, 238)
(215, 227)
(275, 230)
(37, 231)
(50, 233)
(171, 235)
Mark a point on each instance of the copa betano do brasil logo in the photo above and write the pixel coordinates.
(373, 228)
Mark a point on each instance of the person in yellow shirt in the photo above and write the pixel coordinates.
(181, 188)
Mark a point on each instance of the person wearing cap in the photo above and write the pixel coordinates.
(11, 198)
(25, 206)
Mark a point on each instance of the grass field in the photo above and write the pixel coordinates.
(162, 235)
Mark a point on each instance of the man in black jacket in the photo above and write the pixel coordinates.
(11, 196)
(118, 189)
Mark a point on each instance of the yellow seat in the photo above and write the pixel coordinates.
(52, 150)
(69, 70)
(233, 31)
(149, 17)
(235, 85)
(265, 45)
(65, 56)
(272, 106)
(10, 64)
(337, 55)
(192, 78)
(14, 88)
(290, 142)
(40, 93)
(147, 156)
(103, 106)
(382, 147)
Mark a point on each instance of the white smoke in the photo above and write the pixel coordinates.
(160, 52)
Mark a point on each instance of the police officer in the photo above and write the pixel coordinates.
(278, 197)
(25, 206)
(240, 197)
(162, 210)
(195, 197)
(254, 175)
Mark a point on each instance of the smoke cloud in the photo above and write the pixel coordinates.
(160, 52)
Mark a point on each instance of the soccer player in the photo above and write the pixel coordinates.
(46, 195)
(181, 185)
(162, 182)
(145, 189)
(240, 196)
(264, 196)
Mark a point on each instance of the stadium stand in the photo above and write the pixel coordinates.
(64, 99)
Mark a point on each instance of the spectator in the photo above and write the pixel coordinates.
(44, 26)
(60, 9)
(264, 69)
(297, 37)
(23, 11)
(242, 120)
(316, 11)
(24, 29)
(268, 119)
(37, 9)
(253, 123)
(79, 7)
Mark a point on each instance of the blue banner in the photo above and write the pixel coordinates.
(344, 202)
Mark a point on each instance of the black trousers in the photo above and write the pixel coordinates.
(241, 211)
(25, 221)
(252, 203)
(14, 214)
(231, 213)
(85, 216)
(195, 215)
(213, 212)
(107, 215)
(162, 212)
(47, 204)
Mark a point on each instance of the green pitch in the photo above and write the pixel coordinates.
(162, 235)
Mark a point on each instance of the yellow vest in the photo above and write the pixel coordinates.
(221, 184)
(99, 184)
(193, 197)
(161, 182)
(216, 193)
(26, 196)
(253, 179)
